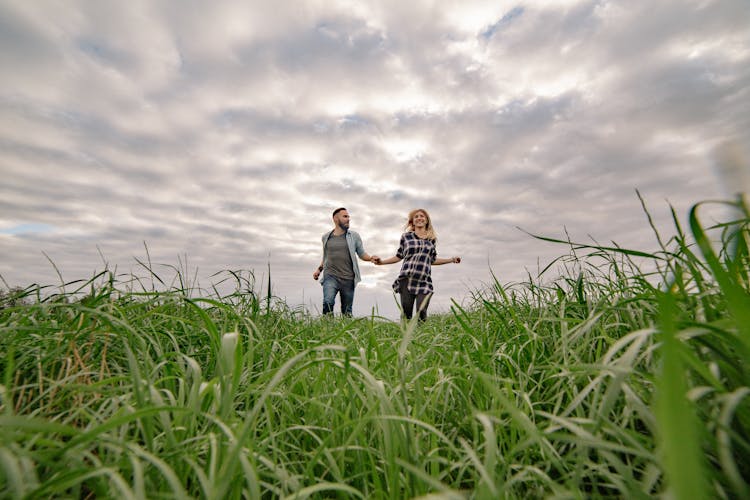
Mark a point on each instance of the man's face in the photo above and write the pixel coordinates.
(342, 219)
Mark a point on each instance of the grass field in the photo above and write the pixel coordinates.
(606, 381)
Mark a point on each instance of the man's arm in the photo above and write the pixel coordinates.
(360, 250)
(317, 272)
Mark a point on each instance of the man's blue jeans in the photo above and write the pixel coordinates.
(333, 285)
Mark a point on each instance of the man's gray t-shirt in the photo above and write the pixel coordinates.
(339, 261)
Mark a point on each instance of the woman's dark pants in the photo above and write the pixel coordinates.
(408, 299)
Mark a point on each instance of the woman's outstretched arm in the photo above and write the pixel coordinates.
(452, 260)
(389, 260)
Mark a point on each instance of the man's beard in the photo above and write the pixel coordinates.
(344, 227)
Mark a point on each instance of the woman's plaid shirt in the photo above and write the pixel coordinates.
(418, 255)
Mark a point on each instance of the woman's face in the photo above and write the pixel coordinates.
(420, 220)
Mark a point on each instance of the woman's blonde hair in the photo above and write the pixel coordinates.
(431, 234)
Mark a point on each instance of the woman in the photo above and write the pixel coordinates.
(417, 250)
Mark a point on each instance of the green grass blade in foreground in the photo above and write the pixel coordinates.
(738, 300)
(678, 435)
(726, 453)
(580, 246)
(316, 489)
(230, 463)
(20, 475)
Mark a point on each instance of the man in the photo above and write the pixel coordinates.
(340, 250)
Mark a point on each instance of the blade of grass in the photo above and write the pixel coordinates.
(677, 423)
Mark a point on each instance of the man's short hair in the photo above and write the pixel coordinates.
(337, 211)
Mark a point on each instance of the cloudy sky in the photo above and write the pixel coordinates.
(220, 135)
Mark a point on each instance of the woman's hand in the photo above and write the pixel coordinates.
(456, 260)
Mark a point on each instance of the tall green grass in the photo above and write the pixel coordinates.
(614, 373)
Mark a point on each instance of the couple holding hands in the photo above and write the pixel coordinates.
(341, 247)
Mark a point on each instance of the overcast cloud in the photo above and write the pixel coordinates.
(226, 132)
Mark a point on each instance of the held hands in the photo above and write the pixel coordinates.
(379, 261)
